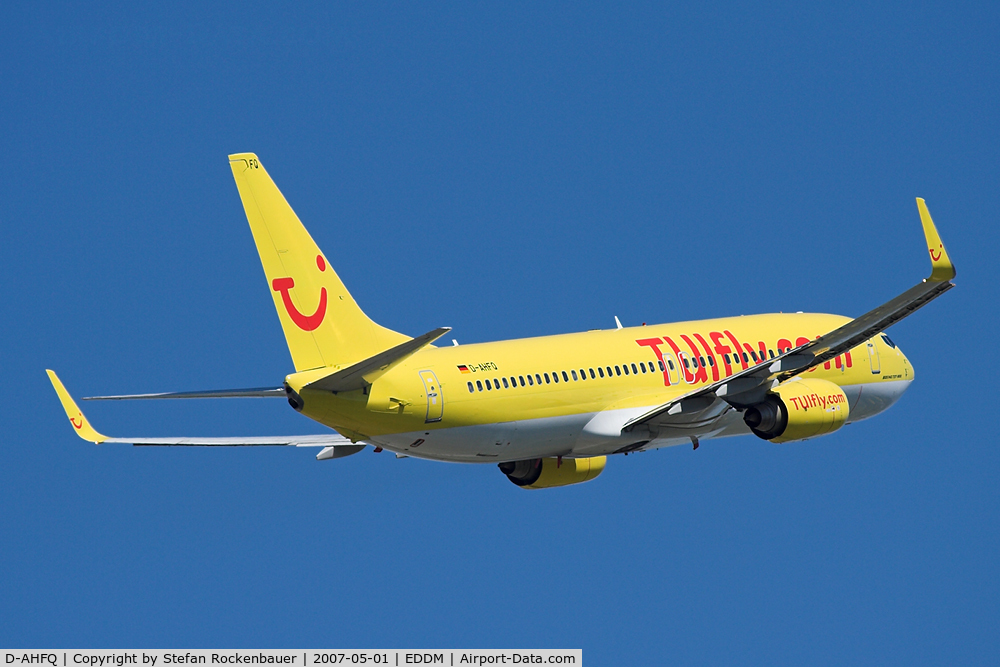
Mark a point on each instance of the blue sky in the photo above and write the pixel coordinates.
(510, 171)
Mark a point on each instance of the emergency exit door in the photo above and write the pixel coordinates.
(435, 400)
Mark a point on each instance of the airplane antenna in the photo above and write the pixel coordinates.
(618, 322)
(454, 342)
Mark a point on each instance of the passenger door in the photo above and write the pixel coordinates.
(873, 358)
(435, 398)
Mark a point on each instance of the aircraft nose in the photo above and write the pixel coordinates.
(908, 373)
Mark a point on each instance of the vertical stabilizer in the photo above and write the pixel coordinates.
(323, 324)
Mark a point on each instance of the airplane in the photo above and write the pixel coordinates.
(548, 411)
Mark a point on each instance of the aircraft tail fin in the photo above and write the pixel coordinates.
(323, 325)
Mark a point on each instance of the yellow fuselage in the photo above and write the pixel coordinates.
(537, 396)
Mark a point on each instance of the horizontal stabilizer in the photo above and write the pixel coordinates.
(341, 446)
(366, 372)
(258, 392)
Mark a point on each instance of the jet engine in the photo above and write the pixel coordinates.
(799, 409)
(549, 472)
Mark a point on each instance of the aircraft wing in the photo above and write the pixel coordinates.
(751, 385)
(334, 444)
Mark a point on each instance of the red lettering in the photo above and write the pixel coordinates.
(655, 344)
(722, 350)
(708, 352)
(688, 377)
(702, 374)
(736, 344)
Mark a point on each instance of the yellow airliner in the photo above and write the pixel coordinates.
(550, 410)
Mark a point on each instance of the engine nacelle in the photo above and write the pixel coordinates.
(546, 473)
(798, 409)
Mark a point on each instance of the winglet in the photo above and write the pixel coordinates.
(76, 418)
(942, 269)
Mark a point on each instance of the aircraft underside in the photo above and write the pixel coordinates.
(583, 435)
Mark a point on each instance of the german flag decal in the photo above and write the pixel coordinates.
(464, 369)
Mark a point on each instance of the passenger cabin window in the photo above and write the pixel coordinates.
(754, 355)
(711, 362)
(546, 378)
(702, 360)
(726, 357)
(513, 381)
(625, 366)
(583, 374)
(574, 375)
(592, 375)
(488, 386)
(479, 385)
(660, 364)
(643, 367)
(565, 377)
(670, 363)
(531, 381)
(471, 388)
(555, 377)
(635, 371)
(520, 378)
(600, 371)
(771, 352)
(685, 360)
(538, 378)
(618, 370)
(505, 385)
(746, 359)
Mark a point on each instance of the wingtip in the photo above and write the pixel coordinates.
(942, 269)
(80, 424)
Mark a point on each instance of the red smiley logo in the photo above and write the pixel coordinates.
(939, 253)
(73, 421)
(304, 322)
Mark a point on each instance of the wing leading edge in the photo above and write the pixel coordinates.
(751, 385)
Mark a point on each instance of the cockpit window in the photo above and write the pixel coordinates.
(888, 341)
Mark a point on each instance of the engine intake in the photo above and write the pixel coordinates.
(799, 409)
(549, 472)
